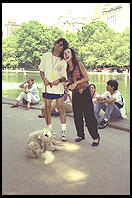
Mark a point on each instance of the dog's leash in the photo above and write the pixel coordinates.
(46, 113)
(46, 109)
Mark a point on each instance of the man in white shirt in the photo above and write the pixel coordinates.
(111, 102)
(53, 73)
(30, 95)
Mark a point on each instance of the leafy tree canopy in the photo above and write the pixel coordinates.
(96, 44)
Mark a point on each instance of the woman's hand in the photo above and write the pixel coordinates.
(66, 85)
(73, 86)
(55, 82)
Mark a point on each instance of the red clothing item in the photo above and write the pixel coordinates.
(74, 76)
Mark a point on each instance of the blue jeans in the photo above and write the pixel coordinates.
(111, 110)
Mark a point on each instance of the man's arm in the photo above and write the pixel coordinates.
(22, 85)
(46, 82)
(106, 100)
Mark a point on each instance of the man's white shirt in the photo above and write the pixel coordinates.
(34, 90)
(49, 64)
(118, 98)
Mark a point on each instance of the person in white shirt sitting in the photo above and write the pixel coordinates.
(111, 102)
(30, 95)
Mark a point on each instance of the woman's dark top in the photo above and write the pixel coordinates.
(74, 76)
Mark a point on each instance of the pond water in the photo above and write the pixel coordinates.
(12, 80)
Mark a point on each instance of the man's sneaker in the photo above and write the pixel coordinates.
(63, 136)
(106, 120)
(103, 124)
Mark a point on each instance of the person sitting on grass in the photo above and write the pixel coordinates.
(30, 95)
(111, 102)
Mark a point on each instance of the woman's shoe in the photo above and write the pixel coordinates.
(96, 143)
(78, 139)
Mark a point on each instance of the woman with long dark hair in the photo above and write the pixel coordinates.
(81, 97)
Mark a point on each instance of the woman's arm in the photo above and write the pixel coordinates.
(70, 98)
(85, 79)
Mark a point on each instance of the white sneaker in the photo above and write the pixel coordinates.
(63, 136)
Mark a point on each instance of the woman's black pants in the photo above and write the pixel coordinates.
(83, 107)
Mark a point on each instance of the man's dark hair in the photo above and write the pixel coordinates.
(113, 83)
(31, 79)
(65, 45)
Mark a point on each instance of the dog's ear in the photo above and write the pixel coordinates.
(39, 137)
(41, 134)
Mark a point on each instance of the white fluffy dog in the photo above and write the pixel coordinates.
(40, 144)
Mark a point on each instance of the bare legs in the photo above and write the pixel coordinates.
(60, 107)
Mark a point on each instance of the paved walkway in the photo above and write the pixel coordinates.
(121, 124)
(78, 169)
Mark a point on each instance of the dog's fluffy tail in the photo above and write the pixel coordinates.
(48, 157)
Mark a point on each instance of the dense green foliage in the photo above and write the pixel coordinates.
(96, 45)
